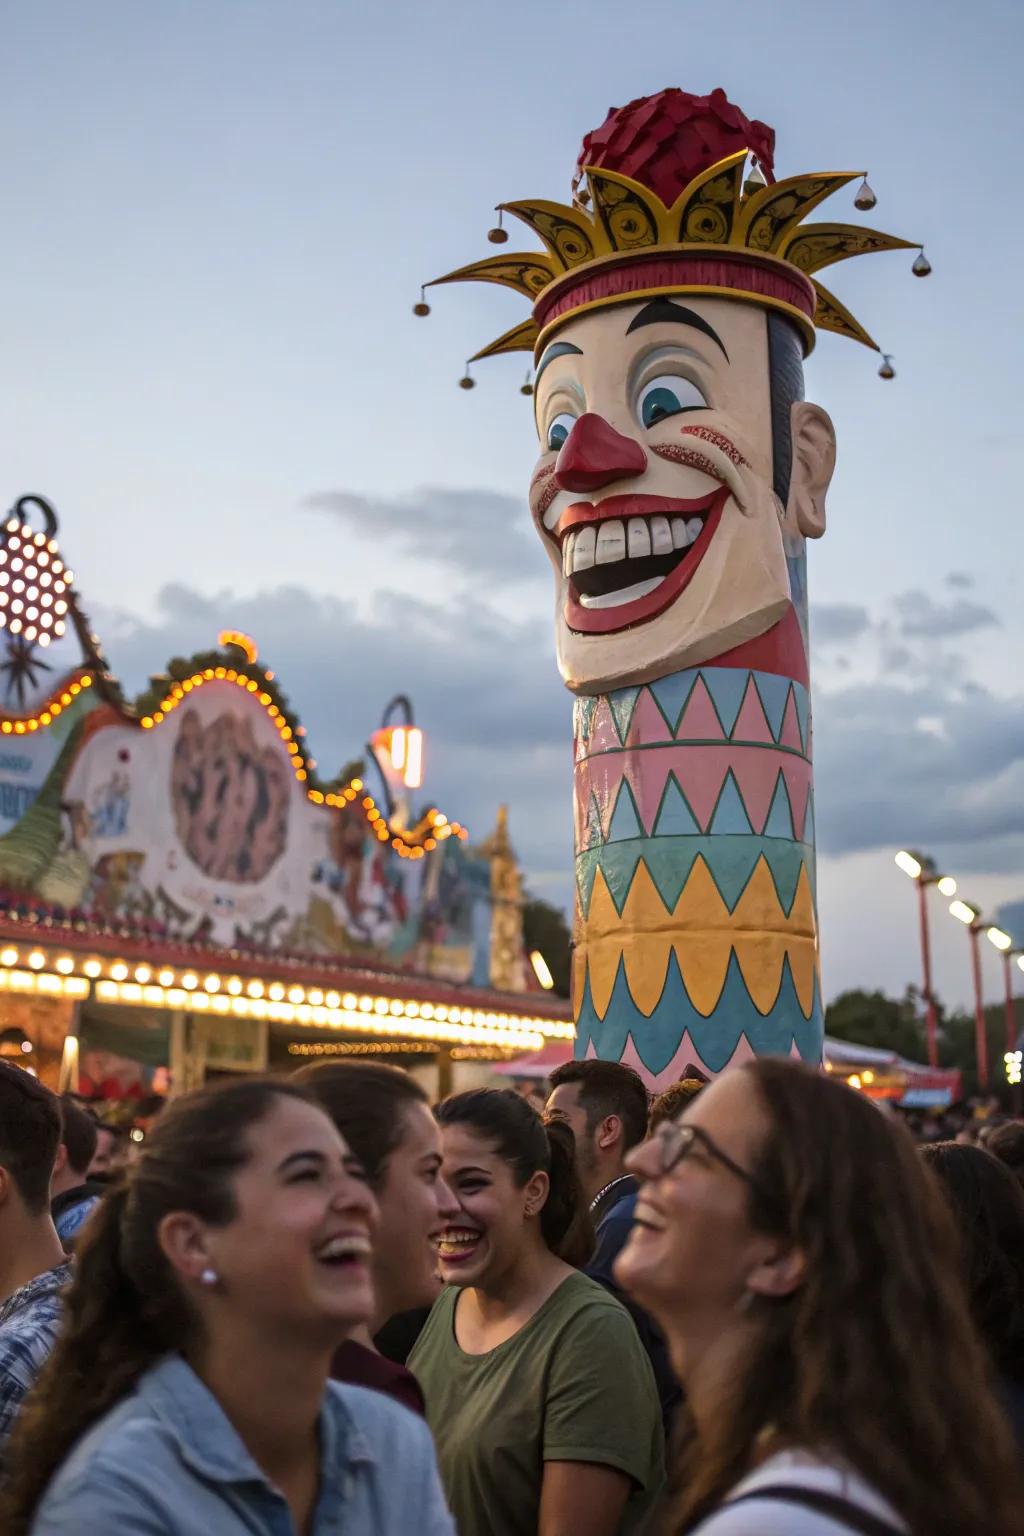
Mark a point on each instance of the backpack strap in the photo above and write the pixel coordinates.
(842, 1511)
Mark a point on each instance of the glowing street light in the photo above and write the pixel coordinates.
(1010, 952)
(970, 916)
(541, 970)
(922, 870)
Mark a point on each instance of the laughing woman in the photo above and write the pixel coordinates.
(804, 1268)
(539, 1393)
(190, 1389)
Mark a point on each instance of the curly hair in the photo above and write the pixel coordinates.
(874, 1359)
(124, 1309)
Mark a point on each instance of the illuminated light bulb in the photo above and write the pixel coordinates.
(92, 969)
(65, 965)
(40, 539)
(234, 985)
(963, 912)
(947, 886)
(212, 983)
(17, 565)
(909, 865)
(37, 959)
(316, 997)
(255, 989)
(296, 995)
(119, 971)
(45, 717)
(17, 605)
(146, 722)
(276, 992)
(190, 981)
(9, 956)
(166, 978)
(333, 1000)
(30, 632)
(60, 607)
(380, 1006)
(142, 973)
(32, 612)
(1000, 939)
(18, 585)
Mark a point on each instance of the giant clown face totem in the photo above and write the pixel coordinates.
(680, 474)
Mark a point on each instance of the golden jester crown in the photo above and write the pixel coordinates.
(658, 208)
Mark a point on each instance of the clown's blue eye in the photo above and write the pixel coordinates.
(666, 396)
(559, 430)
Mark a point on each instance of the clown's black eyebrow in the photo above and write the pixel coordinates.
(556, 349)
(658, 311)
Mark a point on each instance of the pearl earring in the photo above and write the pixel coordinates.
(209, 1276)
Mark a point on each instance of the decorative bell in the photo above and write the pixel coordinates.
(422, 308)
(755, 179)
(498, 235)
(886, 371)
(526, 388)
(865, 198)
(922, 266)
(467, 381)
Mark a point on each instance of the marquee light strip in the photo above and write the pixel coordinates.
(21, 725)
(391, 1022)
(282, 1001)
(433, 827)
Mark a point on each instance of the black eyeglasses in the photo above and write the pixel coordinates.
(675, 1140)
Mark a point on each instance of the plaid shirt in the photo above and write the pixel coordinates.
(29, 1321)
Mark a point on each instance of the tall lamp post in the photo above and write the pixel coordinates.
(971, 918)
(1009, 952)
(923, 871)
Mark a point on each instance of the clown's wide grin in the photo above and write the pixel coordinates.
(626, 558)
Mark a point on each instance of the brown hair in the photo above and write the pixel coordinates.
(79, 1134)
(608, 1088)
(366, 1100)
(520, 1136)
(29, 1135)
(874, 1358)
(124, 1309)
(667, 1105)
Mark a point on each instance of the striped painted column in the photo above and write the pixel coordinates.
(696, 929)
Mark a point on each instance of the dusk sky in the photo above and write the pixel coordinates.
(216, 218)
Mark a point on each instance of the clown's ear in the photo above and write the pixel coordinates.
(814, 459)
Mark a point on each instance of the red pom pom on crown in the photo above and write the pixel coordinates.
(664, 141)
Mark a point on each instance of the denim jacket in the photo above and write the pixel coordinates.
(166, 1462)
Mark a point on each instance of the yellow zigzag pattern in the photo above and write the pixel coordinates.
(703, 933)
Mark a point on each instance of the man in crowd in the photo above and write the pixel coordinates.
(107, 1155)
(605, 1105)
(33, 1266)
(72, 1193)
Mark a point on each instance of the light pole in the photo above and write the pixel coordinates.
(923, 871)
(971, 918)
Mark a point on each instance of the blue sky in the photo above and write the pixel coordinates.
(216, 220)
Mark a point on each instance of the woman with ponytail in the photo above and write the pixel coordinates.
(539, 1393)
(189, 1391)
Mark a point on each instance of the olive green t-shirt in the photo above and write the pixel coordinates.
(574, 1384)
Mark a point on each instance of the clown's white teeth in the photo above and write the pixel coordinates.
(638, 538)
(623, 595)
(608, 542)
(584, 548)
(661, 536)
(611, 542)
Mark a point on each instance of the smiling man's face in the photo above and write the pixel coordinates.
(653, 493)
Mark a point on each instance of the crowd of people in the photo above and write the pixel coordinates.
(319, 1305)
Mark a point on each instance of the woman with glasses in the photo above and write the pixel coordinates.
(804, 1269)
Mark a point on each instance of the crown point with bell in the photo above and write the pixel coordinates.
(499, 234)
(865, 198)
(886, 371)
(467, 381)
(422, 307)
(922, 266)
(755, 178)
(526, 388)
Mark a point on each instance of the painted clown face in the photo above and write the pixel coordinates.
(653, 493)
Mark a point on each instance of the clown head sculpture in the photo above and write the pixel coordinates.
(680, 473)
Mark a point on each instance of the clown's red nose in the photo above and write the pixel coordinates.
(594, 454)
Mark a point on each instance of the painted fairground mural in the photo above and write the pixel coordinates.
(194, 813)
(681, 473)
